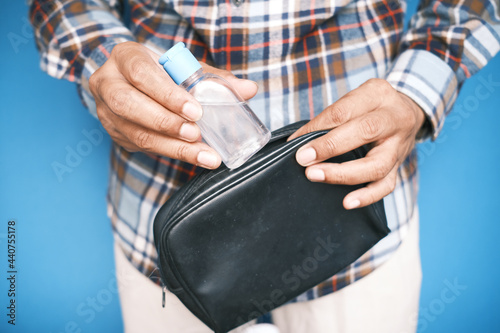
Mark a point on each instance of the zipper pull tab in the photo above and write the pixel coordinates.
(163, 290)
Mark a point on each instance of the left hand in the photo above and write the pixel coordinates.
(375, 113)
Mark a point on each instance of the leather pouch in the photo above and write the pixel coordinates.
(235, 244)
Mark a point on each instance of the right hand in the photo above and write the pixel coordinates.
(143, 109)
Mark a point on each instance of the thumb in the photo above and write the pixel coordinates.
(245, 88)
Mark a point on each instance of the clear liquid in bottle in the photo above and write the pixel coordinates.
(228, 125)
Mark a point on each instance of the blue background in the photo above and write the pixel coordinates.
(64, 249)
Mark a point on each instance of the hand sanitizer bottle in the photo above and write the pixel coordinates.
(228, 124)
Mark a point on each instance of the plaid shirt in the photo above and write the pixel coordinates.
(304, 55)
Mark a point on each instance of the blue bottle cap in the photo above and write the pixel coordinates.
(179, 62)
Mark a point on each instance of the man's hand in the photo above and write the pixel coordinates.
(375, 113)
(142, 109)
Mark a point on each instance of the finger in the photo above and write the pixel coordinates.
(366, 98)
(366, 129)
(197, 153)
(377, 164)
(140, 67)
(125, 144)
(115, 135)
(373, 192)
(245, 88)
(128, 103)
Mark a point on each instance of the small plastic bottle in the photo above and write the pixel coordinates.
(228, 125)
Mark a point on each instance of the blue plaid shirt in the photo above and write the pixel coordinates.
(304, 55)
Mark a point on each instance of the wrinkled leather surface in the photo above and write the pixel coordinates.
(234, 244)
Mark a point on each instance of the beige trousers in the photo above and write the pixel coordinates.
(384, 301)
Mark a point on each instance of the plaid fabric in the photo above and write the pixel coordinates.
(304, 54)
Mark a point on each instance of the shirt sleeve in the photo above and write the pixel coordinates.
(75, 38)
(447, 42)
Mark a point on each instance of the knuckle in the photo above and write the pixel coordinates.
(119, 101)
(94, 81)
(115, 52)
(385, 87)
(144, 140)
(139, 69)
(105, 122)
(380, 90)
(128, 147)
(391, 185)
(167, 94)
(372, 198)
(382, 86)
(120, 49)
(372, 82)
(162, 123)
(330, 146)
(388, 186)
(378, 172)
(342, 178)
(370, 128)
(393, 159)
(182, 152)
(101, 115)
(393, 180)
(339, 115)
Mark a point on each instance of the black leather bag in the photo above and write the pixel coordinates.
(235, 244)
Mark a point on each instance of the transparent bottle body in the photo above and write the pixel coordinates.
(228, 124)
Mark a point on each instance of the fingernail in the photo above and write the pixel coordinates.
(352, 203)
(192, 111)
(189, 132)
(316, 175)
(207, 160)
(254, 83)
(306, 156)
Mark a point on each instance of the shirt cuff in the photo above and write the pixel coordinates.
(95, 60)
(429, 82)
